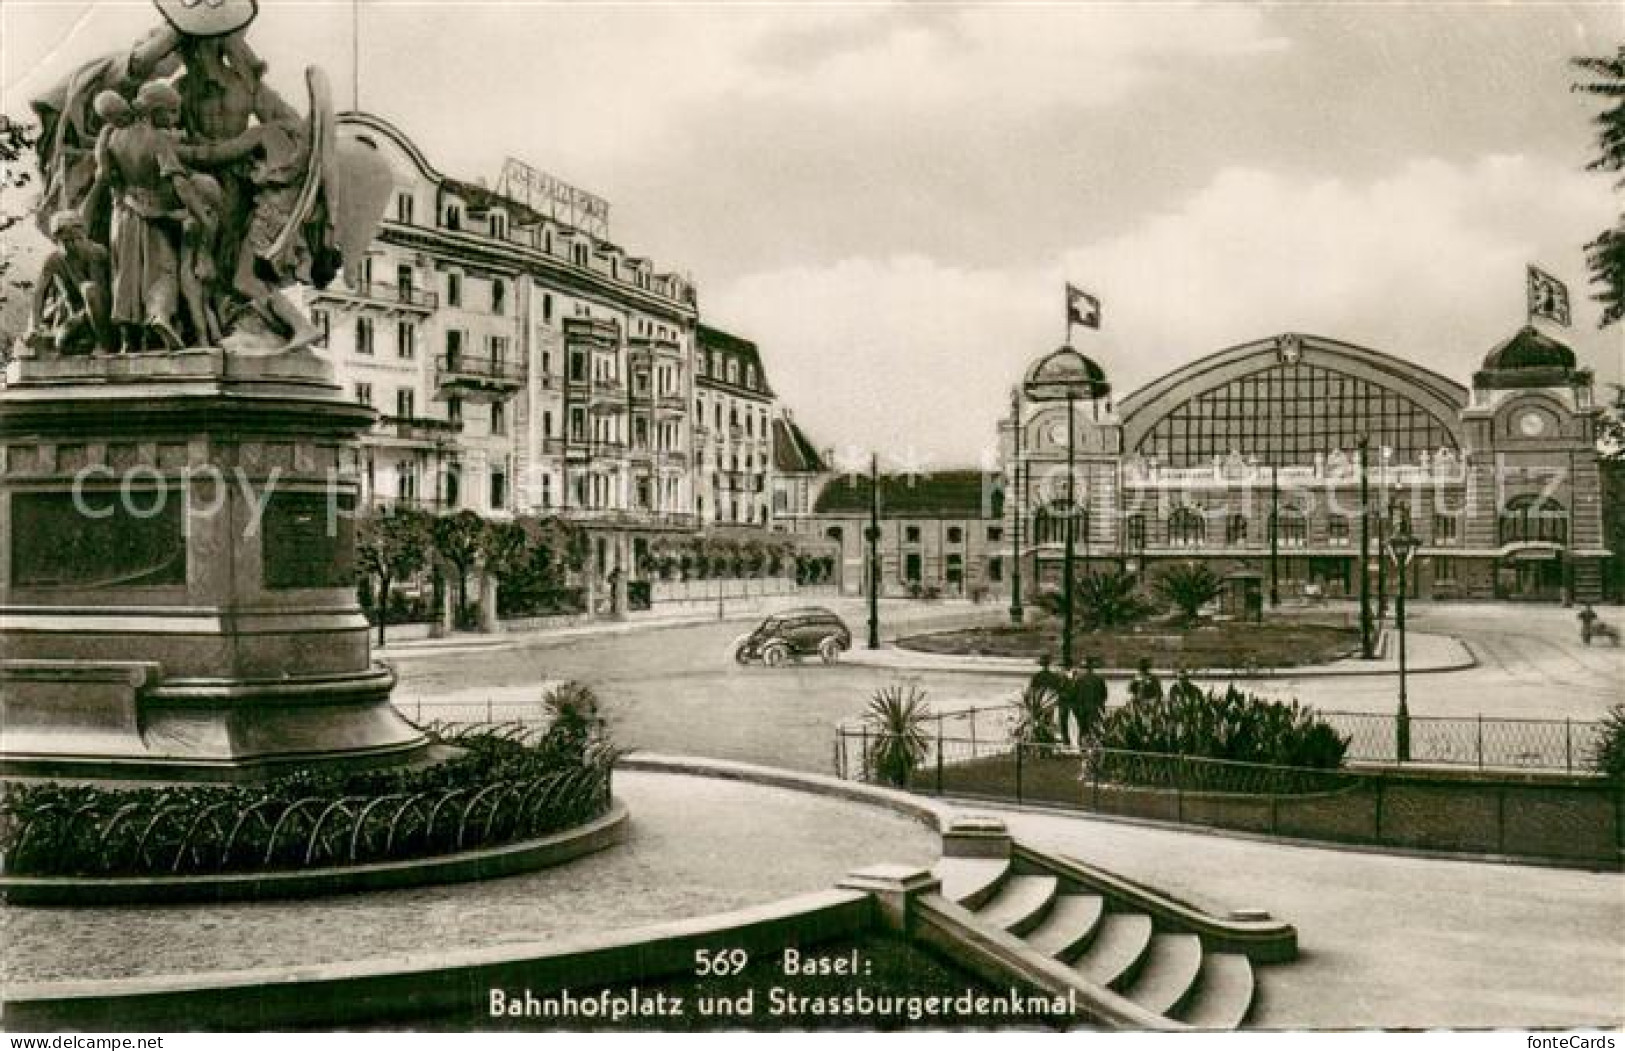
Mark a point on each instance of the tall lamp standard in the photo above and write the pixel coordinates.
(872, 534)
(1366, 649)
(1402, 548)
(1065, 375)
(1017, 614)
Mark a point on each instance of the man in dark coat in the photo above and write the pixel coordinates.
(1145, 686)
(1084, 701)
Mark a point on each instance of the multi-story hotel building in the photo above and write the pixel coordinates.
(733, 411)
(523, 363)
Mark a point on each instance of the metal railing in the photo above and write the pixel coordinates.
(455, 367)
(1565, 745)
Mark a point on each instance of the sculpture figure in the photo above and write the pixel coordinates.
(211, 193)
(70, 299)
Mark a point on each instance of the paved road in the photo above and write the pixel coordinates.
(676, 690)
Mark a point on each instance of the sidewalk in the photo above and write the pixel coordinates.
(1426, 653)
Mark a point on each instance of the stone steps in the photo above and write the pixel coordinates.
(1107, 942)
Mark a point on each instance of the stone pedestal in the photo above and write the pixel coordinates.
(177, 592)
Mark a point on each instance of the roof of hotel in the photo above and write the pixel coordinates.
(793, 451)
(944, 494)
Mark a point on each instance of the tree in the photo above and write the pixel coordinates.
(17, 203)
(392, 546)
(1606, 255)
(457, 540)
(1188, 587)
(1109, 599)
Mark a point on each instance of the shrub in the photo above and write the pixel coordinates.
(1234, 726)
(500, 787)
(1188, 587)
(1032, 722)
(898, 744)
(1608, 753)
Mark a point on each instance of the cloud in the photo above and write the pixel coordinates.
(1425, 262)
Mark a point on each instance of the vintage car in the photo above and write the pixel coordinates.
(796, 632)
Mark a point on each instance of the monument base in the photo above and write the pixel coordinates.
(177, 577)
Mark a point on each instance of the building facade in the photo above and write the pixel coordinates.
(522, 363)
(733, 410)
(1251, 459)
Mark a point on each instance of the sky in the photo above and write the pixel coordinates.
(890, 198)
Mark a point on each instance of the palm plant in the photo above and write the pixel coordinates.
(1109, 600)
(895, 725)
(1188, 587)
(1032, 722)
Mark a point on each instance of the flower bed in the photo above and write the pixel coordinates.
(501, 787)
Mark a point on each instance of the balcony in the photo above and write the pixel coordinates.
(591, 331)
(469, 374)
(632, 519)
(427, 505)
(672, 403)
(417, 430)
(375, 293)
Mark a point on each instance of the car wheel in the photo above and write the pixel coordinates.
(742, 653)
(829, 651)
(775, 655)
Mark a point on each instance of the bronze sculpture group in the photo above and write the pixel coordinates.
(184, 194)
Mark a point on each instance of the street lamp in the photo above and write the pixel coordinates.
(872, 534)
(1366, 651)
(1017, 614)
(1065, 375)
(1402, 548)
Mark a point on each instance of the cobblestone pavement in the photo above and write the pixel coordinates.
(697, 846)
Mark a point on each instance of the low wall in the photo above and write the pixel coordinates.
(1565, 821)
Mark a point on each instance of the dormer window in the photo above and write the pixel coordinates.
(750, 376)
(733, 373)
(454, 217)
(403, 208)
(580, 254)
(499, 226)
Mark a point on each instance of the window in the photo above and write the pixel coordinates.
(750, 376)
(1444, 570)
(733, 372)
(323, 321)
(954, 570)
(499, 230)
(363, 335)
(405, 280)
(403, 208)
(363, 393)
(1186, 528)
(547, 241)
(499, 489)
(579, 253)
(1337, 530)
(499, 353)
(454, 290)
(454, 349)
(1050, 523)
(499, 296)
(995, 569)
(578, 367)
(956, 535)
(833, 533)
(1444, 529)
(454, 409)
(911, 535)
(547, 423)
(578, 424)
(1134, 530)
(499, 418)
(1291, 529)
(454, 217)
(1235, 529)
(404, 403)
(911, 567)
(1529, 519)
(406, 339)
(995, 533)
(547, 307)
(547, 490)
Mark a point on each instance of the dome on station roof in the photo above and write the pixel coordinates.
(1064, 371)
(1529, 349)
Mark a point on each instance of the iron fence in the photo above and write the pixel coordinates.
(1481, 742)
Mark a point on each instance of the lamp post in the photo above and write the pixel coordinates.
(1366, 648)
(1017, 614)
(1275, 538)
(1065, 375)
(1402, 548)
(872, 534)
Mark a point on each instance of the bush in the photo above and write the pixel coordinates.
(895, 721)
(1233, 726)
(1188, 587)
(1033, 721)
(1608, 753)
(502, 786)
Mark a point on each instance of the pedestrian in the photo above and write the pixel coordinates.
(1588, 621)
(1145, 686)
(1183, 691)
(1084, 701)
(1047, 678)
